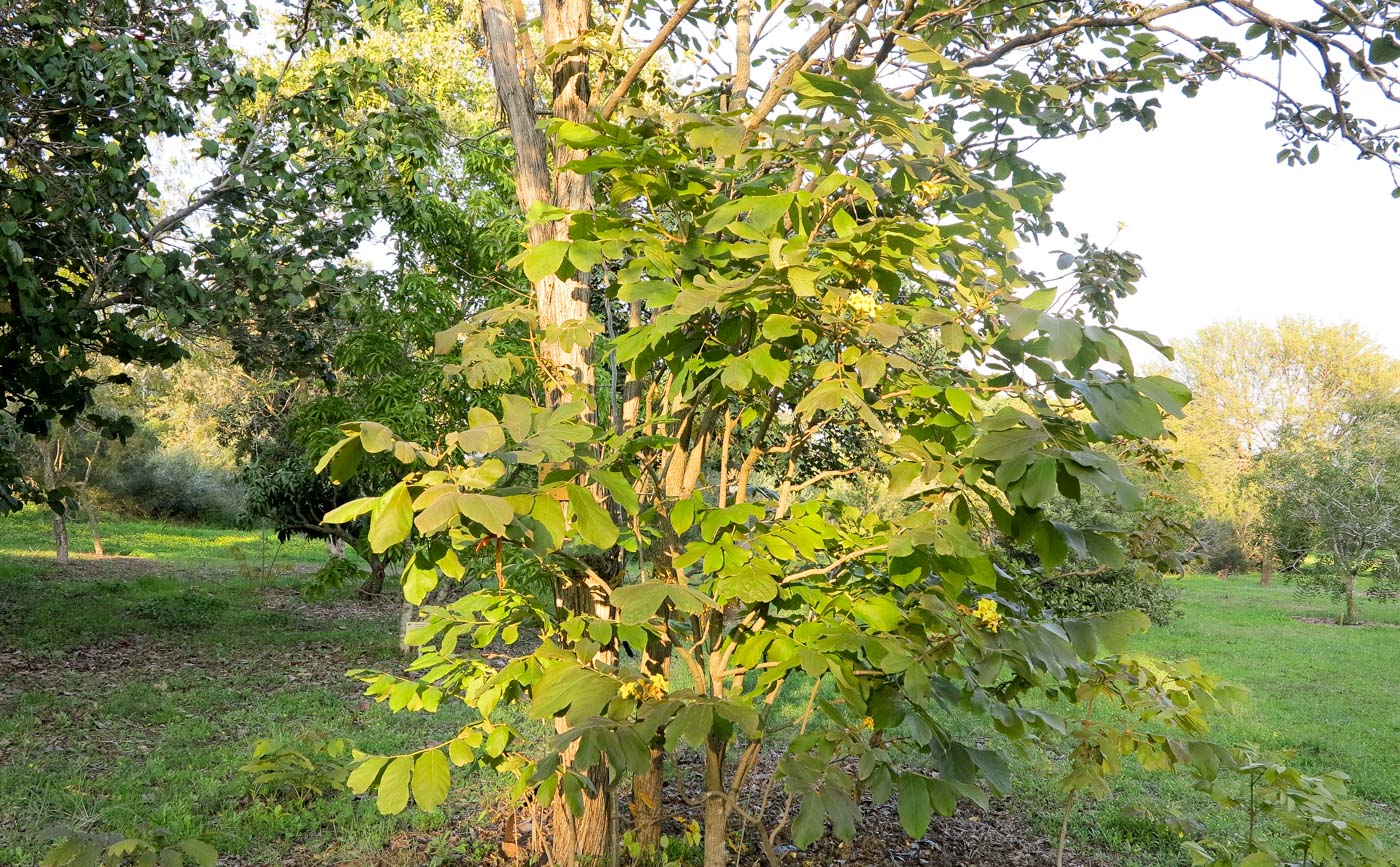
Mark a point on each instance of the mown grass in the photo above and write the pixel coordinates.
(1331, 694)
(30, 534)
(132, 691)
(139, 686)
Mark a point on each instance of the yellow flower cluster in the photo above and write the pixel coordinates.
(986, 613)
(645, 688)
(862, 304)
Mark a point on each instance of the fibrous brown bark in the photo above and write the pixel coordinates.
(567, 369)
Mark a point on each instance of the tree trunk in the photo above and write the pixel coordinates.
(1350, 583)
(568, 370)
(716, 824)
(86, 502)
(1266, 571)
(52, 455)
(335, 548)
(96, 530)
(60, 539)
(373, 586)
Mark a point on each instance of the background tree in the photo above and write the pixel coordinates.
(1344, 493)
(97, 263)
(1256, 385)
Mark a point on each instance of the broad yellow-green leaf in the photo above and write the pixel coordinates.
(375, 437)
(590, 519)
(365, 773)
(350, 511)
(393, 786)
(431, 780)
(391, 520)
(544, 259)
(491, 512)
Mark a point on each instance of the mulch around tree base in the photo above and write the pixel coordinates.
(1332, 621)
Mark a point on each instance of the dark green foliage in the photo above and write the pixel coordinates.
(175, 485)
(87, 87)
(97, 265)
(1220, 549)
(1076, 595)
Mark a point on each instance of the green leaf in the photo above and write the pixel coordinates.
(365, 773)
(780, 325)
(915, 808)
(774, 370)
(440, 508)
(1000, 445)
(343, 458)
(200, 852)
(726, 139)
(544, 259)
(1384, 49)
(810, 823)
(391, 520)
(349, 511)
(393, 786)
(683, 516)
(590, 519)
(618, 488)
(958, 401)
(638, 602)
(748, 585)
(1115, 628)
(431, 780)
(585, 254)
(1169, 394)
(1103, 549)
(737, 374)
(1066, 336)
(418, 581)
(880, 612)
(491, 512)
(375, 437)
(515, 416)
(1037, 486)
(566, 686)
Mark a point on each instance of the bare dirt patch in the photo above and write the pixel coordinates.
(1332, 621)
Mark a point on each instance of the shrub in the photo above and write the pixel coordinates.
(335, 575)
(1220, 549)
(176, 485)
(1078, 594)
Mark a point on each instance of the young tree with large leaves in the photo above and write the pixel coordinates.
(756, 257)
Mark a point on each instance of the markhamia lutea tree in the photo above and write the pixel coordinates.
(729, 277)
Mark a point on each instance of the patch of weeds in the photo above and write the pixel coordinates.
(183, 611)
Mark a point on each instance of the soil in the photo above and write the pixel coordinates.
(1332, 621)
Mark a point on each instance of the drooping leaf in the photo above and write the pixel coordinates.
(590, 519)
(391, 520)
(431, 780)
(393, 786)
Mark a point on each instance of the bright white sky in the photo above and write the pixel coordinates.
(1225, 231)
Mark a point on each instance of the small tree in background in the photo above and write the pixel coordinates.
(1256, 385)
(1346, 492)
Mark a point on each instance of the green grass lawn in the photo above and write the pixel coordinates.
(132, 689)
(1329, 693)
